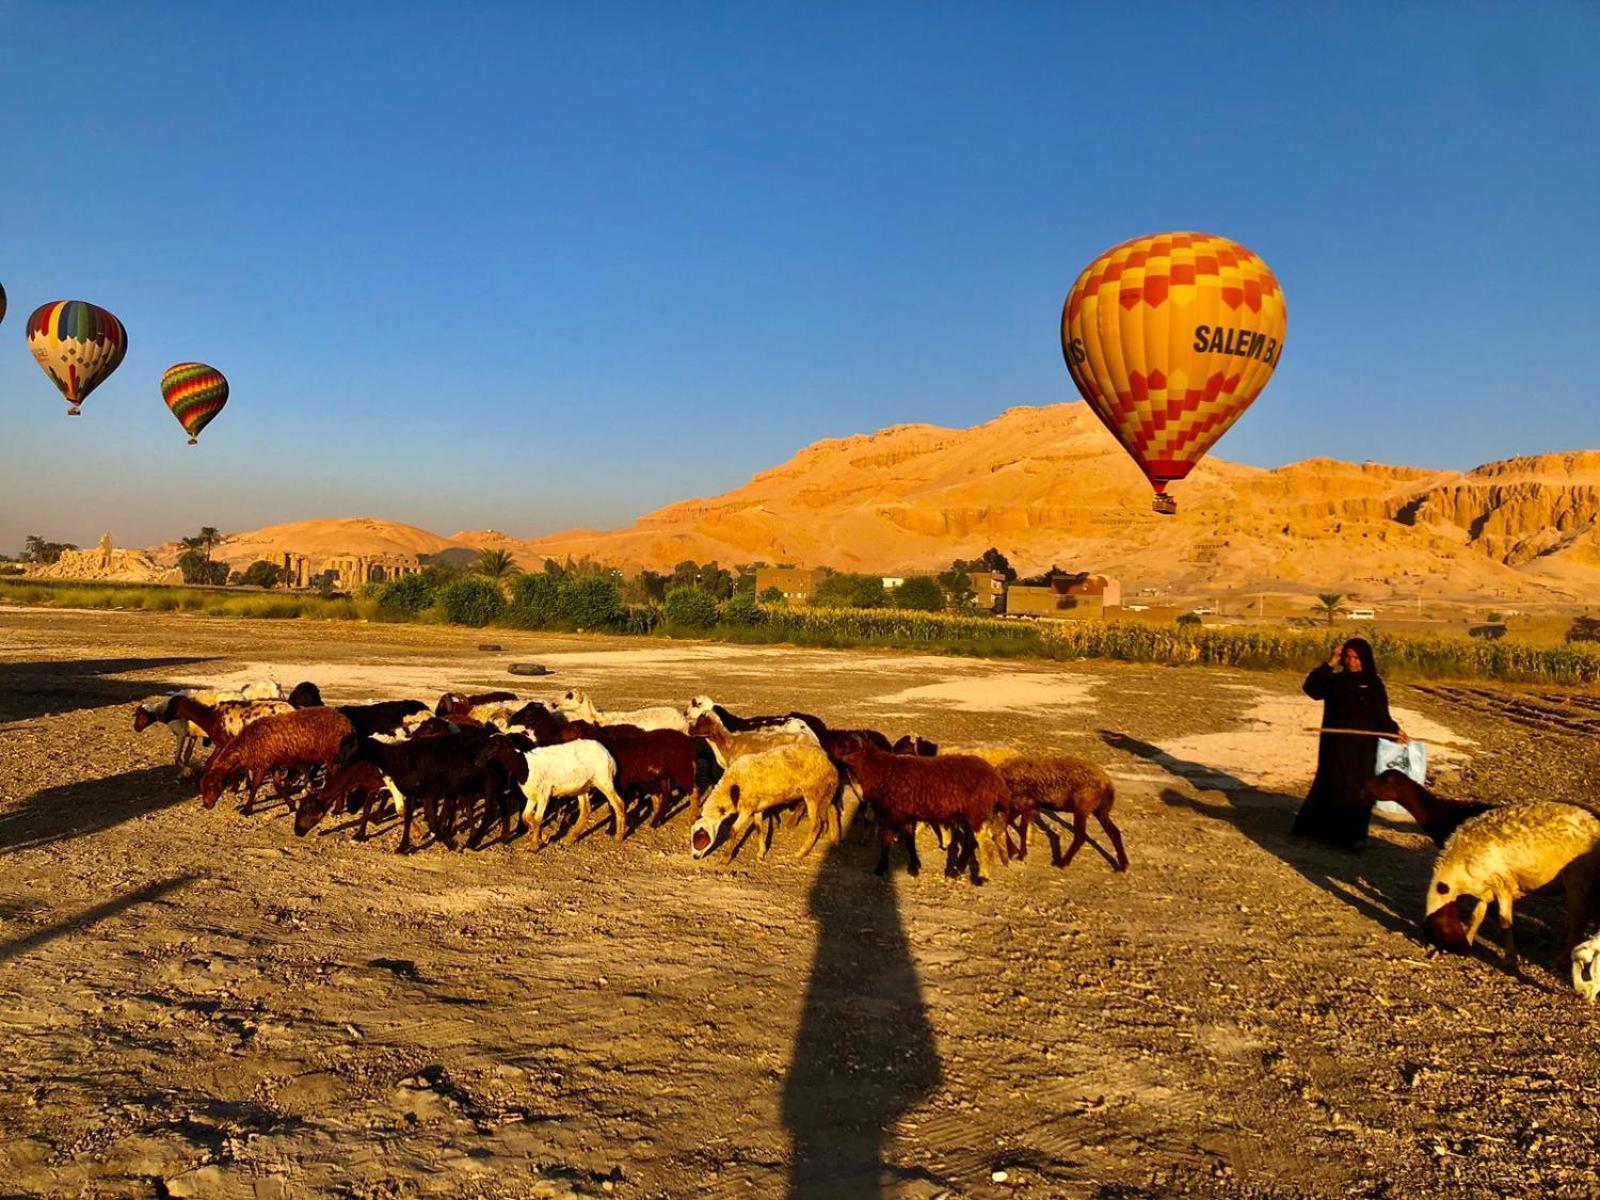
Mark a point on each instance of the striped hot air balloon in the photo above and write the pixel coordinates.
(195, 393)
(1169, 339)
(78, 345)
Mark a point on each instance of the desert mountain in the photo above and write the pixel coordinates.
(325, 538)
(1047, 485)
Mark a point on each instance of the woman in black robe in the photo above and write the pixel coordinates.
(1335, 812)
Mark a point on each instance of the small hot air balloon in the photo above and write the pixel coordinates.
(78, 344)
(195, 393)
(1170, 338)
(2, 303)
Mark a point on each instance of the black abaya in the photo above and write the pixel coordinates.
(1334, 811)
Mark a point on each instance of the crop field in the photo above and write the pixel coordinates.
(200, 1004)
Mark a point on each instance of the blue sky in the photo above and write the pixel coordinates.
(540, 266)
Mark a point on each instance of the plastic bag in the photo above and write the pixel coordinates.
(1410, 759)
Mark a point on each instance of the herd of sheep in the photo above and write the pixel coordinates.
(468, 763)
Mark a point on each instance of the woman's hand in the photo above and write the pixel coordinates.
(1402, 736)
(1336, 658)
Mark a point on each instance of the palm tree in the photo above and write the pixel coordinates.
(209, 537)
(496, 564)
(1328, 605)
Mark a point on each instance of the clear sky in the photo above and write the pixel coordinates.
(535, 266)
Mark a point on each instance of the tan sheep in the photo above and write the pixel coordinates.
(729, 747)
(757, 785)
(1504, 855)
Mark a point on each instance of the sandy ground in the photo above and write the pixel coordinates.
(198, 1004)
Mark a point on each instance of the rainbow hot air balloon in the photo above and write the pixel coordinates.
(195, 393)
(78, 344)
(1170, 338)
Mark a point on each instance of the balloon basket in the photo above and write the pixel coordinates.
(74, 411)
(1164, 504)
(194, 441)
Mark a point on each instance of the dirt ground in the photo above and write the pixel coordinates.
(199, 1004)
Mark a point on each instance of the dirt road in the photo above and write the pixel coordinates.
(198, 1004)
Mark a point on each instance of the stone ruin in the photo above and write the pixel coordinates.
(108, 563)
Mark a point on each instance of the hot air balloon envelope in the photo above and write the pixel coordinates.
(78, 345)
(195, 393)
(1170, 338)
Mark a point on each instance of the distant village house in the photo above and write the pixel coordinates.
(797, 584)
(1068, 597)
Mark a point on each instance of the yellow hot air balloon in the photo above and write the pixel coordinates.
(1170, 338)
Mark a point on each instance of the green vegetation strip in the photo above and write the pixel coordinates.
(594, 605)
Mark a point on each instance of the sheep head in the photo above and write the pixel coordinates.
(714, 814)
(698, 706)
(1441, 923)
(1392, 787)
(306, 695)
(1586, 968)
(143, 718)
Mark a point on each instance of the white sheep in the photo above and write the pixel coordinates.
(1586, 968)
(756, 785)
(187, 736)
(1502, 856)
(576, 706)
(570, 769)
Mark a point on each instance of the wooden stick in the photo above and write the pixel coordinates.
(1373, 733)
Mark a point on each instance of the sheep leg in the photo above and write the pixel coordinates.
(818, 808)
(741, 826)
(581, 821)
(406, 812)
(1115, 835)
(619, 811)
(1478, 914)
(984, 845)
(369, 801)
(1080, 834)
(886, 837)
(533, 815)
(251, 783)
(1509, 947)
(769, 819)
(909, 839)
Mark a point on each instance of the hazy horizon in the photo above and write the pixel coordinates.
(542, 270)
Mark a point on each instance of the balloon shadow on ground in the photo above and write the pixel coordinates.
(41, 689)
(77, 809)
(1384, 883)
(865, 1053)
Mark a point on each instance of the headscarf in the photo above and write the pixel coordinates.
(1363, 649)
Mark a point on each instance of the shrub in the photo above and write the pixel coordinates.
(773, 595)
(1584, 629)
(535, 600)
(262, 573)
(742, 610)
(471, 600)
(641, 618)
(591, 603)
(1190, 619)
(691, 608)
(920, 593)
(404, 598)
(850, 591)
